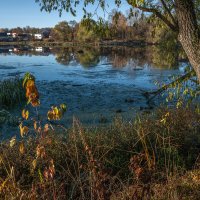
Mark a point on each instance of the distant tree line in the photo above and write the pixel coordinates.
(118, 27)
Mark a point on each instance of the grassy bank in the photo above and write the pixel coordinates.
(11, 93)
(153, 157)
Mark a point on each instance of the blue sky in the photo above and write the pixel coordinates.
(14, 13)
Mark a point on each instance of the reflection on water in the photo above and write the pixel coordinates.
(94, 82)
(88, 57)
(63, 56)
(154, 56)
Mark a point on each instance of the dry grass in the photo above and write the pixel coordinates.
(155, 157)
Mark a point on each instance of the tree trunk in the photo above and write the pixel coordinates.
(189, 35)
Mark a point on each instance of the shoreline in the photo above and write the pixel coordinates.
(63, 44)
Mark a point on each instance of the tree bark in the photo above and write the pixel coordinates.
(189, 35)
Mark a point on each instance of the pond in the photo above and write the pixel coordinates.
(96, 83)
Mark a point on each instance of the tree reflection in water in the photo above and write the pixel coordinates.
(167, 57)
(88, 57)
(63, 55)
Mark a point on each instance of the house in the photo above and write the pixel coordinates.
(39, 49)
(38, 36)
(23, 37)
(14, 35)
(4, 37)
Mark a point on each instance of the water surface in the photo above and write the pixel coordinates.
(96, 83)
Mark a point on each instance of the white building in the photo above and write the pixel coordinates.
(38, 36)
(14, 35)
(39, 49)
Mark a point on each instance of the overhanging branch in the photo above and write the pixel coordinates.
(160, 16)
(169, 12)
(172, 84)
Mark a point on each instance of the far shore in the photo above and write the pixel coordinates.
(135, 43)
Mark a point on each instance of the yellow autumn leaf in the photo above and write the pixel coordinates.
(13, 141)
(30, 83)
(3, 184)
(25, 114)
(50, 115)
(63, 107)
(167, 114)
(40, 151)
(22, 148)
(46, 128)
(23, 130)
(55, 111)
(34, 163)
(59, 114)
(163, 120)
(35, 125)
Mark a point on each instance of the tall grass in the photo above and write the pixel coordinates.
(153, 157)
(11, 92)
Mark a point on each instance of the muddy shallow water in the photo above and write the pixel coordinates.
(96, 83)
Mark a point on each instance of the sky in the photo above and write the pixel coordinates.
(22, 13)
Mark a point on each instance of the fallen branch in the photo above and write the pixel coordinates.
(172, 84)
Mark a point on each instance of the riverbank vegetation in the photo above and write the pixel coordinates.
(11, 93)
(154, 156)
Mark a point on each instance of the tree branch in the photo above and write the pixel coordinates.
(165, 87)
(160, 16)
(169, 12)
